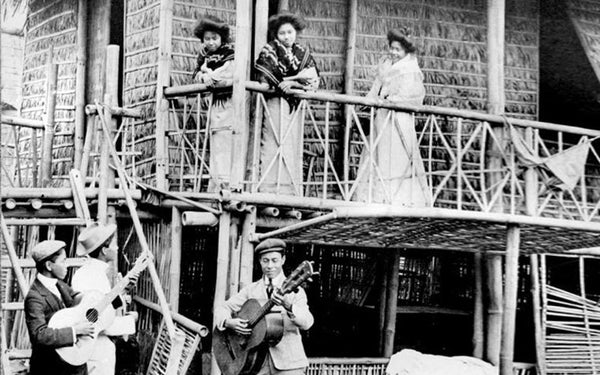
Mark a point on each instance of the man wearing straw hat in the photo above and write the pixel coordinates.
(94, 242)
(47, 295)
(286, 357)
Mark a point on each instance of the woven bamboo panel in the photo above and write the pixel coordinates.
(585, 16)
(433, 233)
(162, 351)
(51, 24)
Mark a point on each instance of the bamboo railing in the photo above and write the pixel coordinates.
(455, 148)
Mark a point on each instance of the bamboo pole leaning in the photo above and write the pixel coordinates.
(139, 230)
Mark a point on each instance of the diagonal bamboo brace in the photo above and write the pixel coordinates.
(138, 227)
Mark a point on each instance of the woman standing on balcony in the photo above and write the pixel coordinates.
(393, 171)
(284, 65)
(214, 65)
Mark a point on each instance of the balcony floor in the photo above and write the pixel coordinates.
(439, 233)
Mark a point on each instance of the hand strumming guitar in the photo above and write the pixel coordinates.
(84, 328)
(238, 325)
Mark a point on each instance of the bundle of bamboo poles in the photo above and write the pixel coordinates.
(572, 333)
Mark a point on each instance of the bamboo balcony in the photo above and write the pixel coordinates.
(482, 171)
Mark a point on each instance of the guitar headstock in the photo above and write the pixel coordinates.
(302, 273)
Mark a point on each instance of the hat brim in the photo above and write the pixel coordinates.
(105, 233)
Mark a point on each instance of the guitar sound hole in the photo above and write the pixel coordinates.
(92, 315)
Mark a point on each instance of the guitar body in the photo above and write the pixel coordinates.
(238, 354)
(81, 351)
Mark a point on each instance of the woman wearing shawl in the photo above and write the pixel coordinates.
(397, 175)
(214, 65)
(284, 65)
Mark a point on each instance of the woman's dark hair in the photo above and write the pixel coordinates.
(403, 36)
(211, 23)
(276, 20)
(41, 265)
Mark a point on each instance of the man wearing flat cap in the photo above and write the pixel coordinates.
(47, 295)
(286, 357)
(94, 243)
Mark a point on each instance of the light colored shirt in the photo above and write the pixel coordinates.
(50, 284)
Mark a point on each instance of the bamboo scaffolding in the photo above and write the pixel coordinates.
(23, 122)
(63, 193)
(14, 259)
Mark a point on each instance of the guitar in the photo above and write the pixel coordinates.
(239, 354)
(95, 307)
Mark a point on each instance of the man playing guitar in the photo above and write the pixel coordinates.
(287, 355)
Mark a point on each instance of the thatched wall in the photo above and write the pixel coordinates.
(451, 40)
(51, 24)
(11, 68)
(139, 76)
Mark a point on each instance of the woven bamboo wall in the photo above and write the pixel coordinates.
(325, 35)
(139, 77)
(51, 23)
(451, 42)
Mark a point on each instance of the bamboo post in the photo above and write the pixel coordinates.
(495, 86)
(350, 47)
(175, 267)
(392, 304)
(243, 31)
(46, 163)
(163, 80)
(510, 300)
(247, 251)
(382, 303)
(531, 202)
(284, 5)
(80, 76)
(106, 214)
(478, 325)
(234, 258)
(139, 231)
(222, 268)
(261, 25)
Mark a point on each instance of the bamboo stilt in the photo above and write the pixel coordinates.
(510, 300)
(222, 268)
(247, 247)
(537, 313)
(234, 258)
(80, 76)
(175, 266)
(478, 326)
(46, 162)
(392, 304)
(382, 303)
(494, 309)
(261, 25)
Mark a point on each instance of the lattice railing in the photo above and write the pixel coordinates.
(452, 159)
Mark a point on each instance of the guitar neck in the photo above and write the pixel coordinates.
(140, 264)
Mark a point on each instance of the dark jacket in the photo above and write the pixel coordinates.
(40, 305)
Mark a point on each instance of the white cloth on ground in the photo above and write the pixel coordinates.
(412, 362)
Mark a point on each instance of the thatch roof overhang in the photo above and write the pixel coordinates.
(439, 229)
